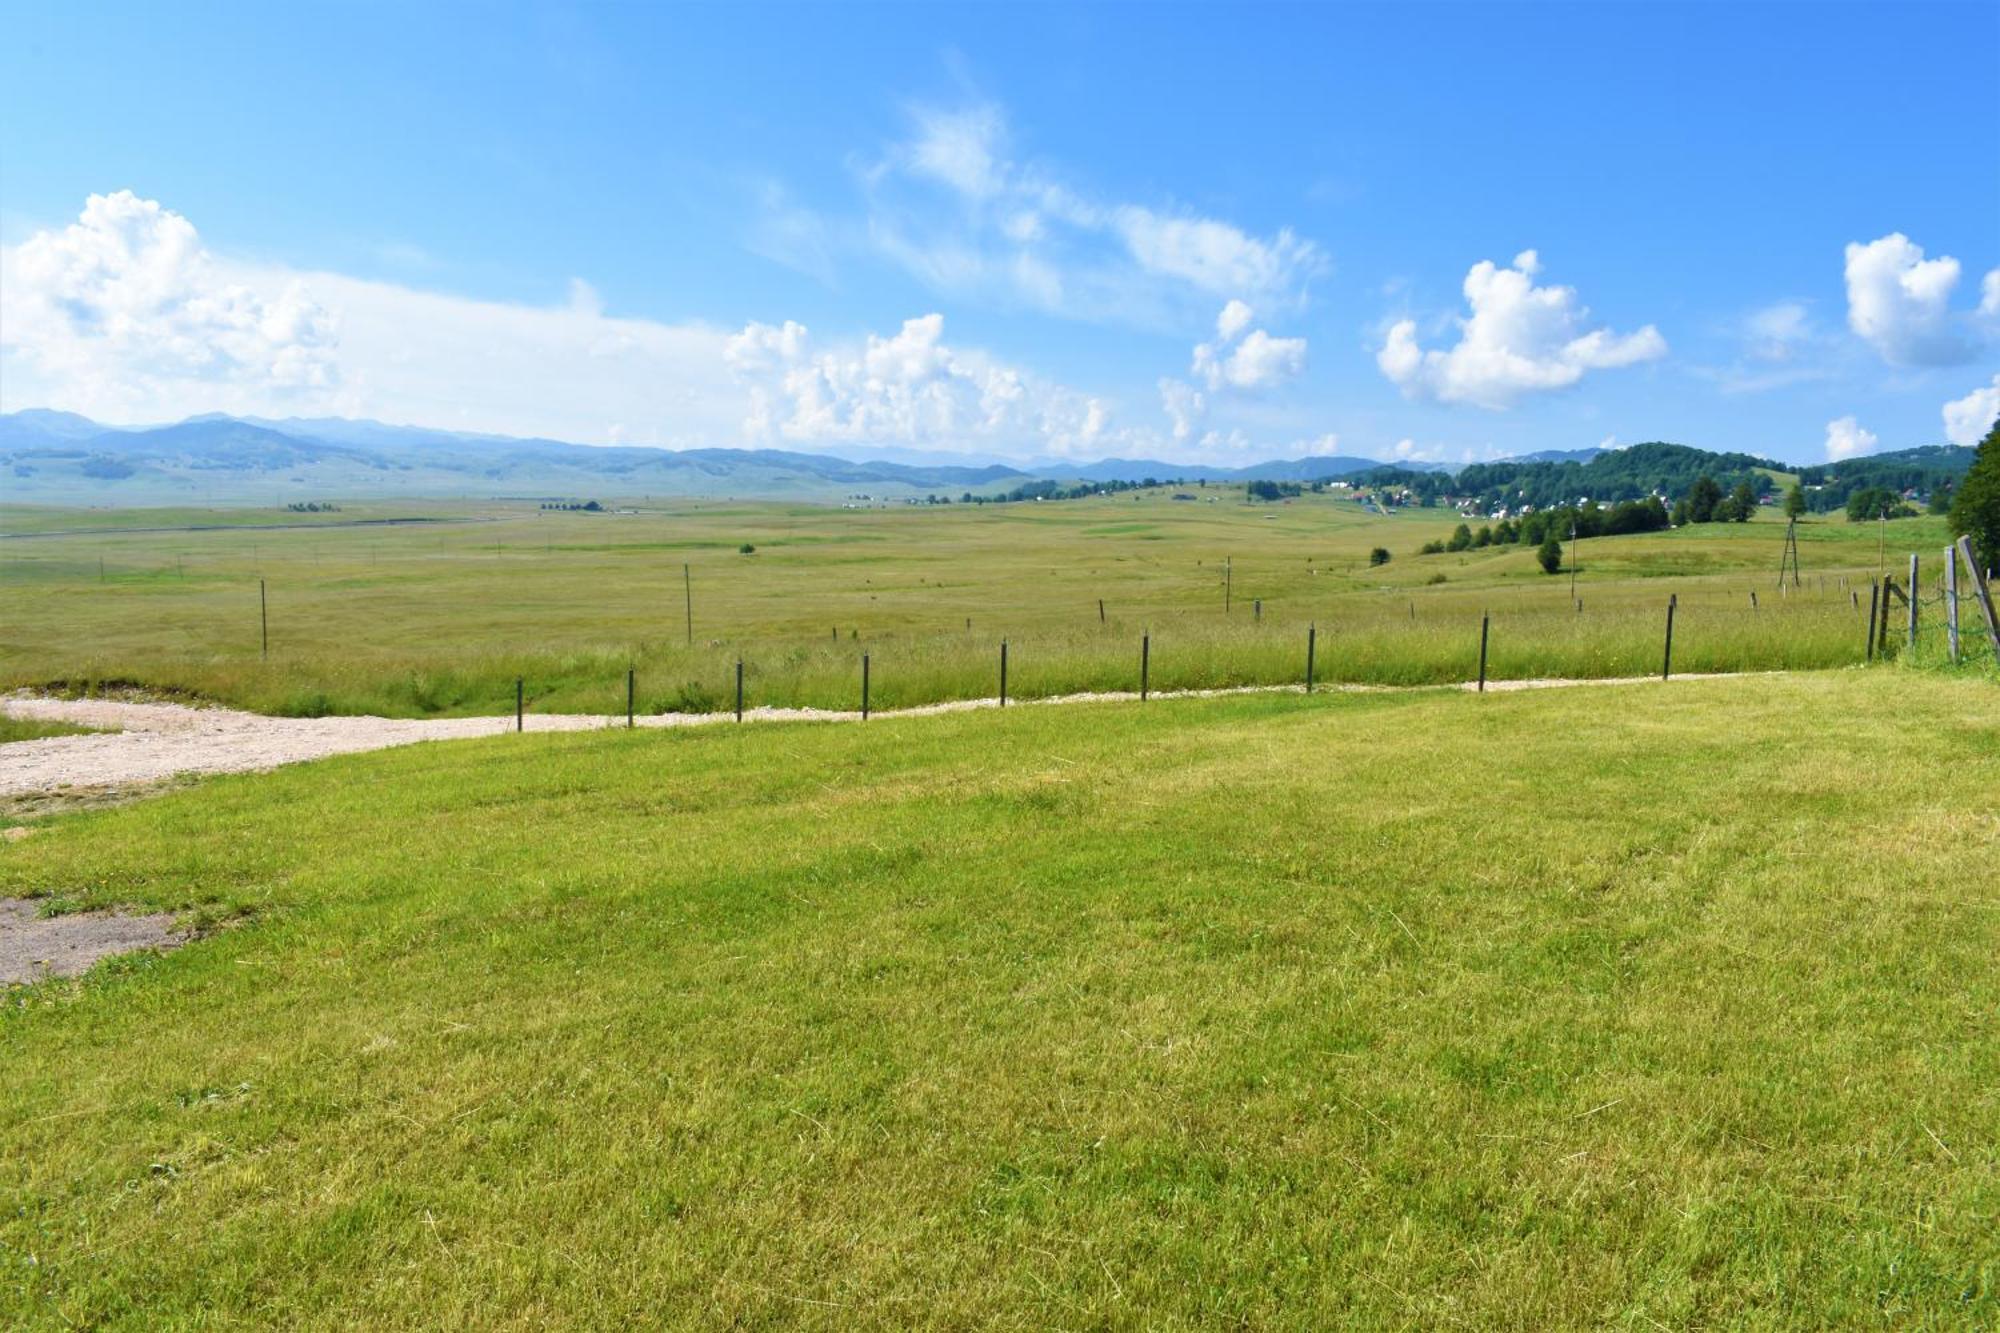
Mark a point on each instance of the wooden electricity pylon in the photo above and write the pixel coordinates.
(1788, 561)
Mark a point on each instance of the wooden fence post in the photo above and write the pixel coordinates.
(1145, 663)
(864, 687)
(519, 709)
(263, 619)
(1003, 673)
(1667, 661)
(631, 682)
(1951, 601)
(1312, 634)
(1483, 619)
(1981, 591)
(1913, 599)
(739, 689)
(1874, 596)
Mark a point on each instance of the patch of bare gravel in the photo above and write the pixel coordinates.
(34, 947)
(150, 743)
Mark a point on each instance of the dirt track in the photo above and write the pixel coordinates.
(158, 741)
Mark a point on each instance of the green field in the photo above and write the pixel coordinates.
(26, 729)
(442, 617)
(1617, 1007)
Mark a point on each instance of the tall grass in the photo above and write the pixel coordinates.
(442, 620)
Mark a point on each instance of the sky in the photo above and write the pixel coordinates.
(1196, 233)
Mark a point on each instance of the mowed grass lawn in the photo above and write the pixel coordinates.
(1642, 1007)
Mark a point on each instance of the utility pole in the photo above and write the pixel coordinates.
(1572, 560)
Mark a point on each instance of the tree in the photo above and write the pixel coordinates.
(1702, 498)
(1461, 538)
(1550, 553)
(1975, 510)
(1378, 556)
(1873, 502)
(1795, 501)
(1740, 506)
(1940, 501)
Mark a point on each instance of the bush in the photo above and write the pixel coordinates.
(1550, 554)
(1432, 548)
(1461, 539)
(746, 549)
(1378, 556)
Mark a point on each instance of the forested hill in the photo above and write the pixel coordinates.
(1922, 470)
(1617, 474)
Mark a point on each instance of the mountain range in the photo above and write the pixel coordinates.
(62, 458)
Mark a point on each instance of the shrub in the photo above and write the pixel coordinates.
(746, 549)
(1550, 554)
(1378, 556)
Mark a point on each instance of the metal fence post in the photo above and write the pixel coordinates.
(1484, 618)
(1003, 673)
(1145, 663)
(1312, 634)
(864, 687)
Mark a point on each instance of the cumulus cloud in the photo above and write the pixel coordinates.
(126, 317)
(1518, 339)
(1845, 438)
(910, 388)
(1900, 302)
(1989, 294)
(959, 208)
(1967, 419)
(126, 299)
(1246, 361)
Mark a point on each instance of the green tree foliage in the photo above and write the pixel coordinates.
(1550, 554)
(1975, 510)
(1461, 539)
(1865, 506)
(1924, 469)
(1740, 505)
(1702, 498)
(1378, 556)
(1795, 501)
(1618, 474)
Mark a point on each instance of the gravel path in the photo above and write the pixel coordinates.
(33, 946)
(156, 741)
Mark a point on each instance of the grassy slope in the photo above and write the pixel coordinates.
(443, 619)
(25, 729)
(1665, 1006)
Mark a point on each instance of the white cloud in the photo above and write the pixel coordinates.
(959, 209)
(126, 317)
(1989, 294)
(1184, 405)
(1775, 332)
(1967, 419)
(126, 300)
(1845, 438)
(1519, 339)
(1247, 361)
(911, 388)
(1899, 302)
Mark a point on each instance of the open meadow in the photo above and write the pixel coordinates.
(442, 614)
(1655, 1006)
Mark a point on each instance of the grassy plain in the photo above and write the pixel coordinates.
(1658, 1006)
(27, 729)
(441, 617)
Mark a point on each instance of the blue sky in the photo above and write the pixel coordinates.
(1218, 233)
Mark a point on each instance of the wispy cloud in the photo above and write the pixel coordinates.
(957, 206)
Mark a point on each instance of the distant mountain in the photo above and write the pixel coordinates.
(1556, 456)
(59, 457)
